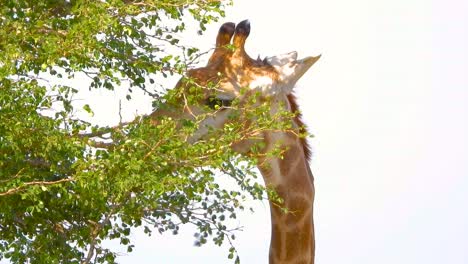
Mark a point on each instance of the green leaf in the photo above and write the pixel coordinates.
(87, 108)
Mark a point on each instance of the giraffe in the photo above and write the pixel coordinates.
(292, 233)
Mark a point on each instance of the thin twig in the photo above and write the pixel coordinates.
(120, 112)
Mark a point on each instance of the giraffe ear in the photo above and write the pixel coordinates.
(282, 59)
(290, 69)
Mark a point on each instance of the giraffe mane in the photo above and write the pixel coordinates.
(302, 127)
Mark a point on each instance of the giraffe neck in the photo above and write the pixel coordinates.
(292, 233)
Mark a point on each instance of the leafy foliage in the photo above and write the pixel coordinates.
(65, 186)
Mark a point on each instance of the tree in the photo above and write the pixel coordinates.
(66, 185)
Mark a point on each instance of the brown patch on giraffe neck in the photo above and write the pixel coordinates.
(291, 158)
(292, 239)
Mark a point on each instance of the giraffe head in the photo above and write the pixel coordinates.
(234, 69)
(234, 75)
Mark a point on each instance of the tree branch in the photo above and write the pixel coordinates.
(106, 130)
(42, 183)
(96, 228)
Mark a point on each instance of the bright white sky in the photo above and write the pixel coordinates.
(388, 105)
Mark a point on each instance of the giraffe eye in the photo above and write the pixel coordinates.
(216, 103)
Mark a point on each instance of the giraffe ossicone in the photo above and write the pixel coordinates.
(233, 70)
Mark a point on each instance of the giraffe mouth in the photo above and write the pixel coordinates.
(310, 60)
